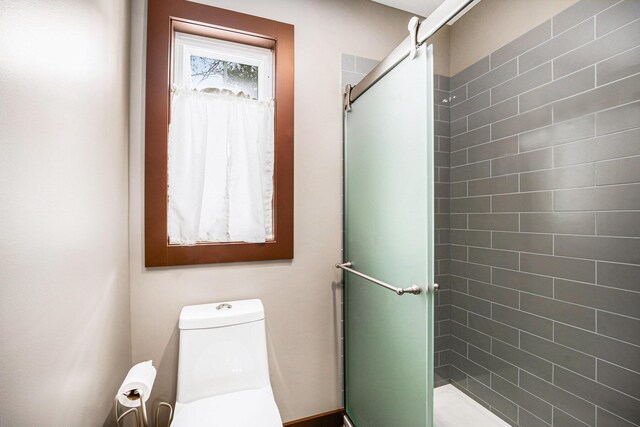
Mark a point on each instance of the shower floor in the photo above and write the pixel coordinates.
(453, 408)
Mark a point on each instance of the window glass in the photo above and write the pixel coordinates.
(210, 73)
(210, 65)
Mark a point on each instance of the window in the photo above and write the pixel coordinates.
(202, 64)
(228, 195)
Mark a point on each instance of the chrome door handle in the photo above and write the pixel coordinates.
(413, 289)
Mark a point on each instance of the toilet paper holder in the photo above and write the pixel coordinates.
(140, 416)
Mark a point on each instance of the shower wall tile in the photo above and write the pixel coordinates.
(617, 119)
(458, 126)
(530, 120)
(523, 202)
(619, 66)
(495, 258)
(524, 360)
(494, 113)
(498, 366)
(612, 300)
(611, 350)
(472, 171)
(626, 224)
(494, 400)
(470, 303)
(523, 398)
(563, 43)
(619, 327)
(619, 378)
(622, 276)
(561, 133)
(522, 83)
(602, 148)
(494, 329)
(469, 367)
(493, 77)
(605, 397)
(459, 284)
(550, 308)
(613, 43)
(524, 321)
(567, 402)
(616, 249)
(562, 223)
(497, 185)
(459, 158)
(493, 150)
(469, 139)
(458, 95)
(471, 238)
(565, 87)
(502, 222)
(558, 354)
(527, 419)
(494, 294)
(471, 105)
(471, 271)
(443, 82)
(471, 204)
(523, 242)
(555, 266)
(561, 418)
(458, 221)
(600, 98)
(617, 16)
(609, 198)
(545, 202)
(522, 44)
(606, 418)
(577, 13)
(553, 179)
(443, 161)
(531, 283)
(470, 73)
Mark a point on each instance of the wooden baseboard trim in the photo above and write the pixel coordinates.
(327, 419)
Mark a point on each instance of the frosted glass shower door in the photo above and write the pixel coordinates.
(389, 236)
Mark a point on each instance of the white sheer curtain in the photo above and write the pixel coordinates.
(220, 169)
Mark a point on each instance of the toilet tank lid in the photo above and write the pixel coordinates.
(220, 314)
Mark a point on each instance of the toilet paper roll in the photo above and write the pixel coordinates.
(140, 377)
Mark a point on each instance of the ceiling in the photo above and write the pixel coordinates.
(424, 7)
(419, 7)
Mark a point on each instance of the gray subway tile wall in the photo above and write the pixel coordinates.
(544, 269)
(443, 113)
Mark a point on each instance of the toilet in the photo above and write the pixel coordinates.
(223, 372)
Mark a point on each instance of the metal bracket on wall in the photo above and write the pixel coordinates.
(347, 98)
(414, 23)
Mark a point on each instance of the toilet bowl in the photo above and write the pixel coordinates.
(223, 372)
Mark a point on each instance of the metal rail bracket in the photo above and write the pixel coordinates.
(347, 98)
(413, 25)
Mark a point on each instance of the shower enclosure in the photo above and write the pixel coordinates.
(521, 166)
(389, 271)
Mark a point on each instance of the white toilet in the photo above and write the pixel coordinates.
(223, 373)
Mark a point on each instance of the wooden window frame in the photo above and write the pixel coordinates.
(163, 19)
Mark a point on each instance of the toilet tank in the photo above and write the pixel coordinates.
(223, 349)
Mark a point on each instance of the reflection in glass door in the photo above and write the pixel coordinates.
(389, 238)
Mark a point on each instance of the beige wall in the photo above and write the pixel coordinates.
(300, 297)
(64, 295)
(441, 55)
(493, 23)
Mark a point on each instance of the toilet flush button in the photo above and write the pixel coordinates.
(224, 306)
